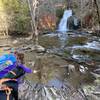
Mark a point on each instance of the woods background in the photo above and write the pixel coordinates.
(15, 16)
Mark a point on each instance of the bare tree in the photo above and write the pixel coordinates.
(3, 21)
(97, 9)
(33, 6)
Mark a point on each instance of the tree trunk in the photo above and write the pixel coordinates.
(33, 8)
(68, 4)
(97, 8)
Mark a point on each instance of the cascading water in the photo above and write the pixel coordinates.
(63, 23)
(62, 28)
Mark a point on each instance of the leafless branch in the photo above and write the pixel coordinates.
(33, 6)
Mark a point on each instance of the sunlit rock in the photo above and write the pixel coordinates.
(38, 48)
(83, 69)
(71, 69)
(15, 42)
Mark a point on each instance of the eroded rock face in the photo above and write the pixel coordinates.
(73, 23)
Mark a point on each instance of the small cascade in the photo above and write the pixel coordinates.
(63, 23)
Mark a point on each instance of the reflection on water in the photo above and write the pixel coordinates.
(62, 37)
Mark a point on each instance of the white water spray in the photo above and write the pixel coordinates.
(63, 23)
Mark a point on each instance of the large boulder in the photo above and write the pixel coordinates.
(73, 23)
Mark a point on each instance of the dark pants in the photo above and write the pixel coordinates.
(3, 96)
(12, 84)
(14, 93)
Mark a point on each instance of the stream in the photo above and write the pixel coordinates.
(65, 67)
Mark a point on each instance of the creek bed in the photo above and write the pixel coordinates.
(63, 69)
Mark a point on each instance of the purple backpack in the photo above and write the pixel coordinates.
(8, 63)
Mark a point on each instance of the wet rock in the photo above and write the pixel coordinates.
(88, 89)
(97, 71)
(71, 69)
(97, 90)
(88, 52)
(73, 23)
(97, 81)
(90, 31)
(92, 92)
(26, 48)
(95, 75)
(93, 45)
(92, 97)
(70, 33)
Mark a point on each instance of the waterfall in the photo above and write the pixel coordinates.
(63, 23)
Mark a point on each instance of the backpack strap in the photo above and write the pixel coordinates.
(12, 72)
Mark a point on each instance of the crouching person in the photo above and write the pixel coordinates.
(10, 73)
